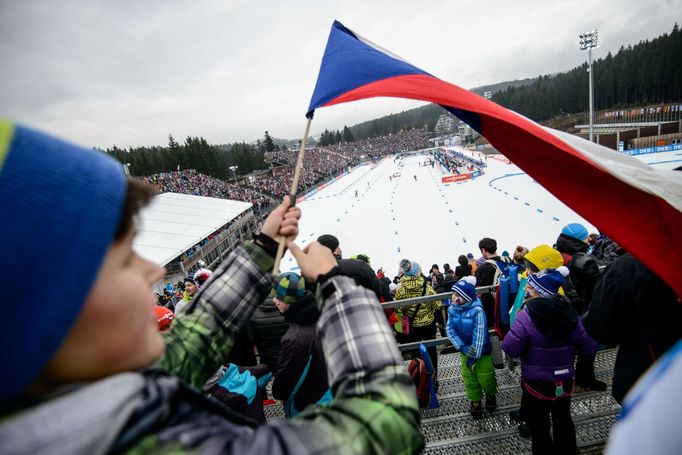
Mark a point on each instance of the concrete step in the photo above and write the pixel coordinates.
(592, 432)
(459, 424)
(456, 402)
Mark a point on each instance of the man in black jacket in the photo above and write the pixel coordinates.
(634, 308)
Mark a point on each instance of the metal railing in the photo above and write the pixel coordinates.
(425, 299)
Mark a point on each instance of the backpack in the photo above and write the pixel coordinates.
(501, 269)
(422, 380)
(585, 270)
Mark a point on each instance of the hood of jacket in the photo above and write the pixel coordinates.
(268, 305)
(555, 318)
(304, 311)
(569, 245)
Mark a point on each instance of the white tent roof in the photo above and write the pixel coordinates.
(172, 223)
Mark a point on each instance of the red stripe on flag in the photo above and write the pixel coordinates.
(642, 223)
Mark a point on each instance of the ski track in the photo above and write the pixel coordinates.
(430, 222)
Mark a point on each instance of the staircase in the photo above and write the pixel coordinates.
(450, 429)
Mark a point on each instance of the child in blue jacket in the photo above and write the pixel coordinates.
(468, 332)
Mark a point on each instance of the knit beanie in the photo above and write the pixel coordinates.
(575, 230)
(544, 257)
(289, 287)
(466, 288)
(410, 268)
(329, 241)
(547, 282)
(60, 206)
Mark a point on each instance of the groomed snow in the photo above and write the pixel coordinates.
(431, 222)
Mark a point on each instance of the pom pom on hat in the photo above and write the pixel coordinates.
(576, 231)
(201, 276)
(547, 282)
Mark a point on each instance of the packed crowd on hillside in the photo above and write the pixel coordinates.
(90, 371)
(320, 163)
(192, 182)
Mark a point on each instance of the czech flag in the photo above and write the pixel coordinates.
(637, 206)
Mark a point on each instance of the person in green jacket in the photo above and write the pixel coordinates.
(86, 371)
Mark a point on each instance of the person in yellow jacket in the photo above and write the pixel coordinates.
(416, 322)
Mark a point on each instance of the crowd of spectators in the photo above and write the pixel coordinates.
(192, 182)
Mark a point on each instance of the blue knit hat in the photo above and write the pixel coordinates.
(289, 287)
(410, 268)
(466, 288)
(575, 230)
(60, 206)
(547, 282)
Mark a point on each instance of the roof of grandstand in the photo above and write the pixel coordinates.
(173, 223)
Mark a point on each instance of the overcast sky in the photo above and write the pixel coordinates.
(130, 72)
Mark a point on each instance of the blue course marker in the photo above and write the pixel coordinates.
(515, 198)
(464, 239)
(393, 219)
(555, 218)
(540, 210)
(446, 202)
(398, 249)
(526, 203)
(457, 223)
(338, 219)
(396, 232)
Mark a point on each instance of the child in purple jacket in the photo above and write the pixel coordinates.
(546, 335)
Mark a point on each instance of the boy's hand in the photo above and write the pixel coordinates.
(315, 260)
(282, 221)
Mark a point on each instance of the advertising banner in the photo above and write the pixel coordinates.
(455, 178)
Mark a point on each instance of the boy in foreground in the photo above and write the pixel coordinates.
(85, 369)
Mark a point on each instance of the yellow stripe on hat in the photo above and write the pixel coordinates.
(6, 134)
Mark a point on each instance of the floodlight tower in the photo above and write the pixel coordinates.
(588, 41)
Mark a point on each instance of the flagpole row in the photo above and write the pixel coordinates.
(292, 194)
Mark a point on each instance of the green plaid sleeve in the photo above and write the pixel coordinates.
(375, 407)
(203, 336)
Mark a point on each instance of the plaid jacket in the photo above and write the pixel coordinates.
(374, 409)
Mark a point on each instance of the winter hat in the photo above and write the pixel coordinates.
(547, 282)
(470, 256)
(361, 257)
(519, 253)
(164, 316)
(380, 273)
(466, 288)
(189, 279)
(329, 241)
(576, 231)
(410, 268)
(289, 287)
(66, 203)
(544, 257)
(505, 254)
(201, 276)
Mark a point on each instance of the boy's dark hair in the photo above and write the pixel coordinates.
(488, 244)
(138, 195)
(530, 267)
(462, 260)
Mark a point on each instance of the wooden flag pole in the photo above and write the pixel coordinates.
(292, 195)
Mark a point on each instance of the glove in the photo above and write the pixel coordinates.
(471, 362)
